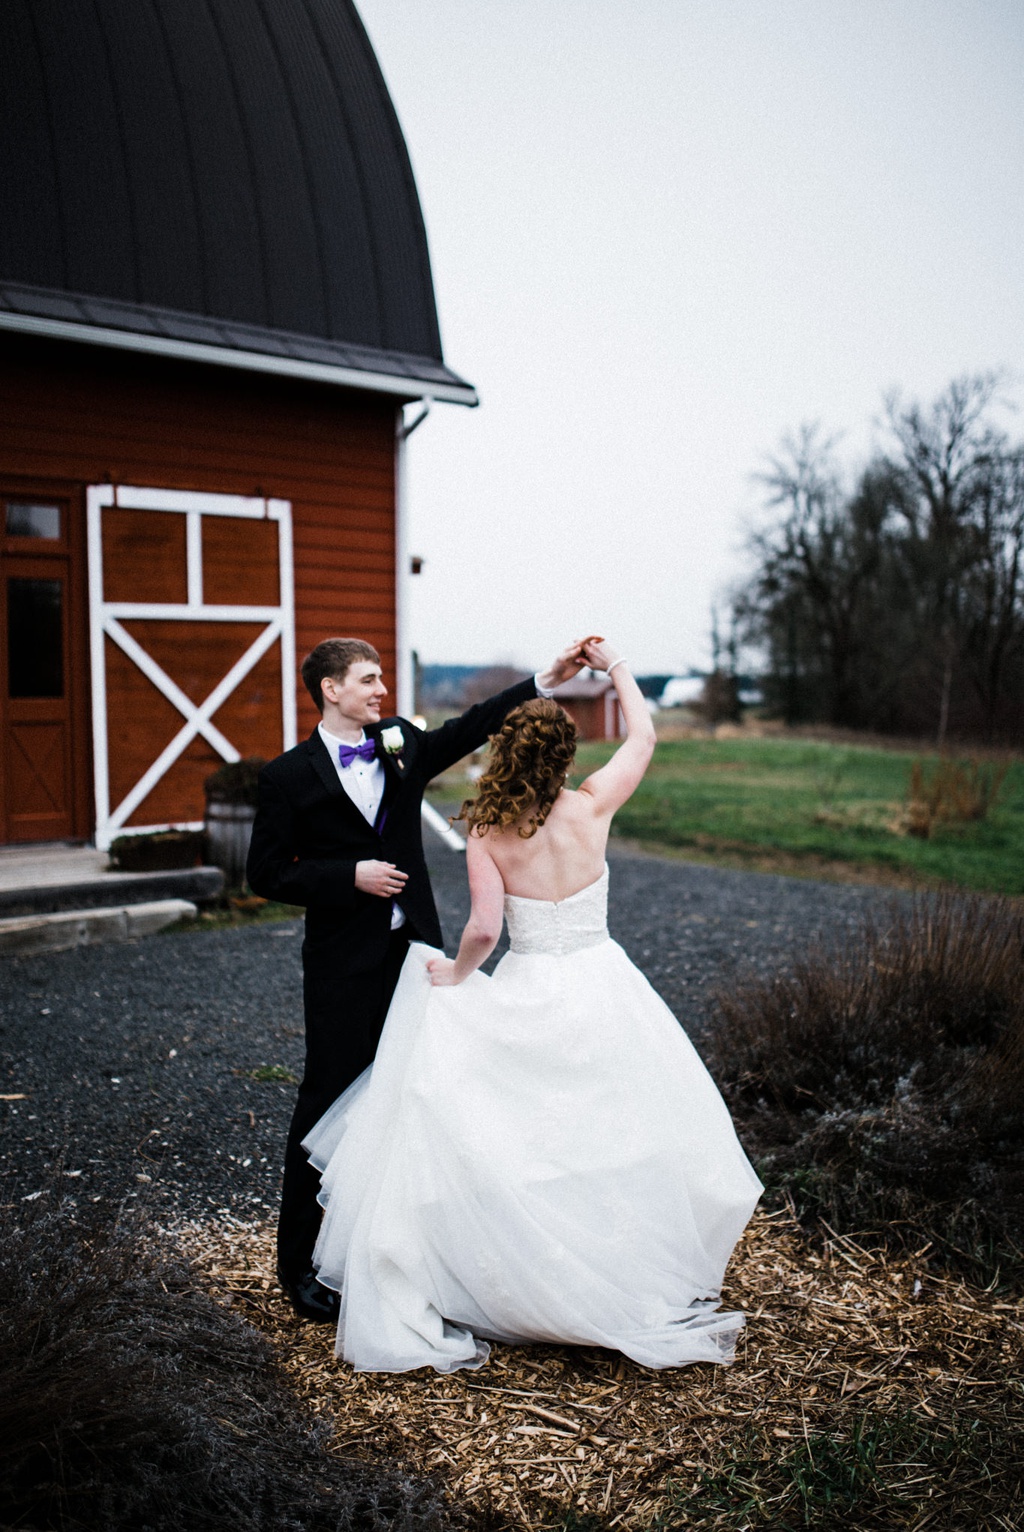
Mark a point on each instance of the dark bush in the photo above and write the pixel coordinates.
(720, 699)
(130, 1401)
(882, 1083)
(160, 851)
(235, 782)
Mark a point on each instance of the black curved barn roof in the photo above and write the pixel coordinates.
(218, 175)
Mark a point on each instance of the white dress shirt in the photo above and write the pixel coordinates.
(363, 781)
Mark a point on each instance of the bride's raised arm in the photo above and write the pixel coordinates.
(486, 914)
(616, 781)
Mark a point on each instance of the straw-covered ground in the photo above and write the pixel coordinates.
(868, 1392)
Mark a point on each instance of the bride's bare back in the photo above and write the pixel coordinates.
(566, 854)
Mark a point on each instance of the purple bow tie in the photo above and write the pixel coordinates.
(366, 752)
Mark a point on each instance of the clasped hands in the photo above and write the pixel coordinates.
(569, 663)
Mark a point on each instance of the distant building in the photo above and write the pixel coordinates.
(682, 691)
(459, 686)
(594, 706)
(215, 300)
(445, 686)
(590, 699)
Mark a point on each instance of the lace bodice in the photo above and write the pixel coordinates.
(562, 926)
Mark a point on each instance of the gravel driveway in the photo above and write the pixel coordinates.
(135, 1060)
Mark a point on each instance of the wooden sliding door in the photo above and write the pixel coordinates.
(43, 665)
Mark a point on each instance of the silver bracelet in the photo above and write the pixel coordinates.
(613, 664)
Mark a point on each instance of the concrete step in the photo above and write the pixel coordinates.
(22, 935)
(94, 889)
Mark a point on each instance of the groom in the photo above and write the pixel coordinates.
(338, 831)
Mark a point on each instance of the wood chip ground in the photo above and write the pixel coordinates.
(836, 1334)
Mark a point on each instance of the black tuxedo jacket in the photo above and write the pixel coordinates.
(308, 836)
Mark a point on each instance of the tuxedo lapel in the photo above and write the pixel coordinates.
(320, 760)
(395, 773)
(395, 768)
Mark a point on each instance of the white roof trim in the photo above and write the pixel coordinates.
(229, 356)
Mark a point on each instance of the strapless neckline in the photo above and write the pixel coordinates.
(586, 889)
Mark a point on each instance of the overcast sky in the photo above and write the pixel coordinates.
(663, 233)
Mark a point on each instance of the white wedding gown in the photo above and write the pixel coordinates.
(537, 1156)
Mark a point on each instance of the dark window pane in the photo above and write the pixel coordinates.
(35, 649)
(24, 520)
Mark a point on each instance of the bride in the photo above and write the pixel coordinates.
(541, 1155)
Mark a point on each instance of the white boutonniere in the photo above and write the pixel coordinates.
(392, 740)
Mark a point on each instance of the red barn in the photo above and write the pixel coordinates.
(215, 302)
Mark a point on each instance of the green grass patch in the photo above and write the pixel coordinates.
(811, 802)
(270, 1074)
(263, 912)
(866, 1475)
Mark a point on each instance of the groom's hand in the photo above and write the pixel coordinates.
(567, 664)
(381, 878)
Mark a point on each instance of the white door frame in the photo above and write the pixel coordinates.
(106, 617)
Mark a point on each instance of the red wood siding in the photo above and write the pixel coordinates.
(596, 717)
(73, 415)
(240, 562)
(143, 556)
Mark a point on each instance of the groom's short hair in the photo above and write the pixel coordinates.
(332, 657)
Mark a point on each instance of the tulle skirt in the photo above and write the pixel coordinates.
(537, 1156)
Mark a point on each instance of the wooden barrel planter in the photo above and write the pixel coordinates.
(230, 810)
(228, 829)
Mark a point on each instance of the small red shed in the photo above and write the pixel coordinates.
(593, 705)
(215, 303)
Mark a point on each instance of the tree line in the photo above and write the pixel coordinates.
(896, 603)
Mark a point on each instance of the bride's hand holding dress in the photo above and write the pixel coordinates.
(538, 1156)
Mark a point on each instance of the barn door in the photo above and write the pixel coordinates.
(40, 667)
(192, 646)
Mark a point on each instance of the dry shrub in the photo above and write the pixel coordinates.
(883, 1083)
(954, 792)
(132, 1401)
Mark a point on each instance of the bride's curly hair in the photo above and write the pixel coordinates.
(530, 758)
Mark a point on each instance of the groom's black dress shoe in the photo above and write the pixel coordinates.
(310, 1298)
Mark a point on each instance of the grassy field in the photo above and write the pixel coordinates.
(817, 808)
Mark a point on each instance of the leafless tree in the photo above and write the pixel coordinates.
(898, 603)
